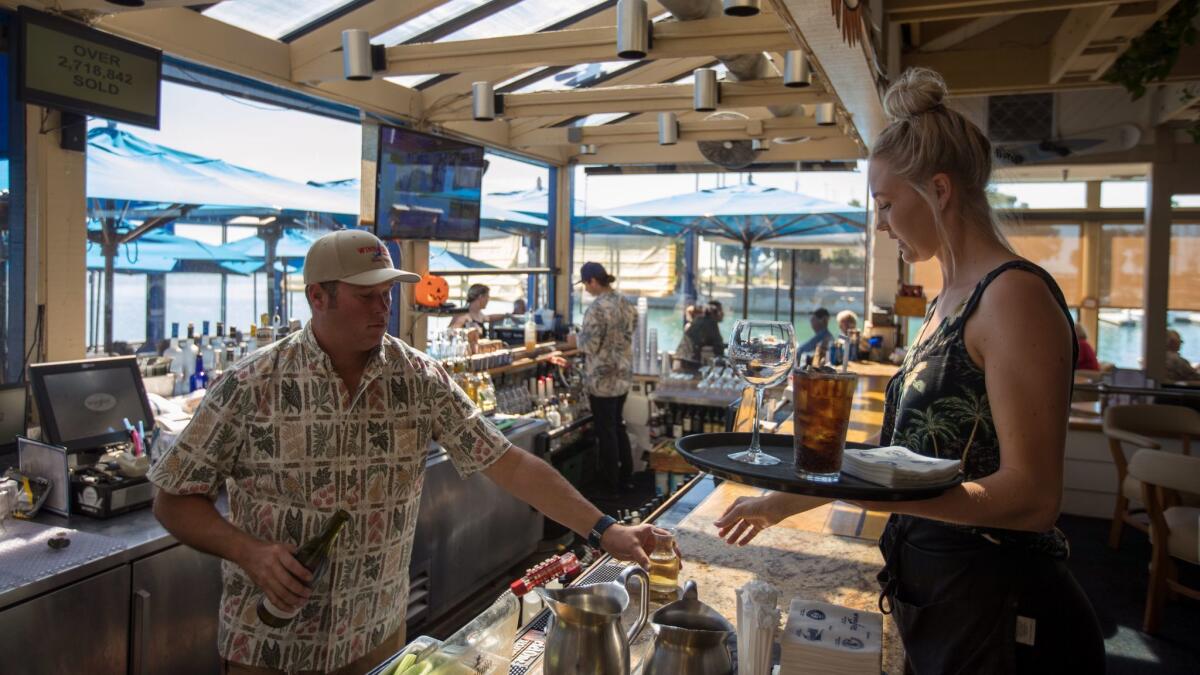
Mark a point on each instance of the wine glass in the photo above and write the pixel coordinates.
(761, 353)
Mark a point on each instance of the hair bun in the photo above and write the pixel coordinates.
(918, 91)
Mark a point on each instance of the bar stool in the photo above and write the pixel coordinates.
(1174, 528)
(1138, 425)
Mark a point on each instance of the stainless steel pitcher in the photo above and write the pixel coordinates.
(585, 636)
(690, 637)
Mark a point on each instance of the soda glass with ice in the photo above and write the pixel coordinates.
(823, 400)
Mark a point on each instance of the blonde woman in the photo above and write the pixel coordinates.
(975, 578)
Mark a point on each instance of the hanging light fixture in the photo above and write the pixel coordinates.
(706, 93)
(796, 70)
(668, 128)
(633, 29)
(826, 114)
(356, 54)
(760, 144)
(587, 149)
(485, 103)
(741, 7)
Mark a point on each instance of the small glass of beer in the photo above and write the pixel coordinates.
(822, 400)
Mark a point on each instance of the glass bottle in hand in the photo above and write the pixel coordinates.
(314, 555)
(664, 562)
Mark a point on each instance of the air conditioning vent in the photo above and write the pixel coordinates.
(1020, 117)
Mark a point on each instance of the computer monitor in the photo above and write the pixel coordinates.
(83, 404)
(12, 416)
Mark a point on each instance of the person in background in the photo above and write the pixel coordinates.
(689, 315)
(1087, 354)
(975, 578)
(338, 415)
(821, 335)
(847, 322)
(705, 331)
(478, 296)
(606, 340)
(1178, 368)
(519, 306)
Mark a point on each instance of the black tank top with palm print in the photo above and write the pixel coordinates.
(937, 405)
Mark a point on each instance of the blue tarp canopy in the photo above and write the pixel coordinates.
(441, 260)
(124, 167)
(746, 214)
(158, 252)
(537, 201)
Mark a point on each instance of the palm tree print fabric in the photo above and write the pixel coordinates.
(937, 403)
(293, 443)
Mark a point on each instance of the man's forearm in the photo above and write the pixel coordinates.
(195, 521)
(538, 484)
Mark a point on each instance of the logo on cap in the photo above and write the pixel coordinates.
(378, 253)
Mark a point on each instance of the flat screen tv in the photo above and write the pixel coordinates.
(428, 187)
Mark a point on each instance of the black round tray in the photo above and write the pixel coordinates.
(710, 452)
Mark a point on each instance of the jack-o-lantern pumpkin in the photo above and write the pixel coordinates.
(431, 291)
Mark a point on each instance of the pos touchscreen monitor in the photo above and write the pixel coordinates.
(83, 405)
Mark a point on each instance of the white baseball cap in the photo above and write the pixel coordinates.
(353, 256)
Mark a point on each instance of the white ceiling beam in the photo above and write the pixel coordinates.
(916, 11)
(195, 37)
(647, 132)
(964, 32)
(462, 81)
(569, 47)
(651, 73)
(833, 149)
(1074, 35)
(848, 72)
(647, 98)
(377, 18)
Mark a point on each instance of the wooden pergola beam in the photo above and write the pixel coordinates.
(917, 11)
(376, 17)
(646, 98)
(568, 47)
(835, 148)
(647, 132)
(1074, 35)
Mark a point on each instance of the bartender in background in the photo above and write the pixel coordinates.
(478, 296)
(606, 339)
(338, 415)
(821, 335)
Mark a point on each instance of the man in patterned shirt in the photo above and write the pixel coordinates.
(606, 339)
(337, 416)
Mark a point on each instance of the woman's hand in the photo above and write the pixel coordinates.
(748, 516)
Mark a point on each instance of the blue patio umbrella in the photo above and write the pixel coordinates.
(128, 176)
(442, 260)
(747, 214)
(157, 252)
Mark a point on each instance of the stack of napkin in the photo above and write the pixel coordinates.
(895, 466)
(830, 640)
(757, 625)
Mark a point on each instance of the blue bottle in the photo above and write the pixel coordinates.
(199, 379)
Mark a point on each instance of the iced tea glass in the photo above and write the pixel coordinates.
(823, 401)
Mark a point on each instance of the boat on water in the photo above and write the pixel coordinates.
(1121, 317)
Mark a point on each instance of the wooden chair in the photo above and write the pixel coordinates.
(1138, 425)
(1174, 528)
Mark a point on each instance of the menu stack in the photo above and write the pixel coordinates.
(826, 639)
(895, 466)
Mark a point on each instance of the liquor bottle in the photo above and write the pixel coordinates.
(677, 424)
(199, 378)
(552, 415)
(687, 422)
(530, 334)
(175, 353)
(191, 351)
(207, 352)
(314, 555)
(218, 347)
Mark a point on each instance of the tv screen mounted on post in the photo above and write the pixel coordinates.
(428, 187)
